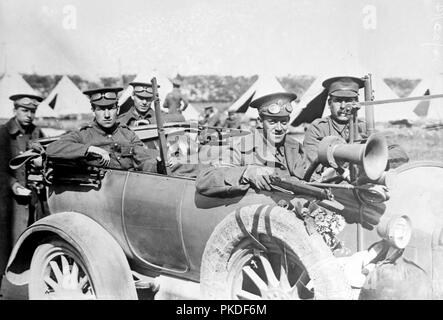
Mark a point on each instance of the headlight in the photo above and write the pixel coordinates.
(396, 230)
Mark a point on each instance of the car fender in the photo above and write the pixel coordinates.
(80, 231)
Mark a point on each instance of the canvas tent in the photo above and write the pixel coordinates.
(12, 84)
(431, 110)
(191, 113)
(265, 84)
(66, 99)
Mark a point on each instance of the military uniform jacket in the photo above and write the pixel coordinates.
(14, 140)
(129, 118)
(126, 150)
(321, 128)
(16, 213)
(173, 101)
(228, 163)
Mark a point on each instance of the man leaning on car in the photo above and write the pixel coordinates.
(250, 160)
(105, 142)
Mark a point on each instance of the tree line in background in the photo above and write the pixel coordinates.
(207, 88)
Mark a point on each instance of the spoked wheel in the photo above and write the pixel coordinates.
(58, 272)
(273, 275)
(290, 264)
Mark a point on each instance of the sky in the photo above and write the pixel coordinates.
(224, 37)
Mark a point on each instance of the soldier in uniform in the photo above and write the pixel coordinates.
(141, 112)
(232, 121)
(250, 160)
(341, 92)
(175, 102)
(105, 141)
(209, 117)
(19, 206)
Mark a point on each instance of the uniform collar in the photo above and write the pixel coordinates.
(266, 149)
(14, 127)
(102, 131)
(138, 116)
(339, 126)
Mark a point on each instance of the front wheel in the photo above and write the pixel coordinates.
(59, 271)
(286, 264)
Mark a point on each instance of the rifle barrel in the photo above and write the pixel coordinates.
(377, 102)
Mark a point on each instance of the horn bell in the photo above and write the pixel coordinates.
(372, 156)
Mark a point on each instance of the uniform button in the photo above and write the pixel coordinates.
(109, 136)
(118, 158)
(115, 144)
(21, 152)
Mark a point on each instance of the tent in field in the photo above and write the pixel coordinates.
(391, 111)
(191, 113)
(265, 84)
(428, 110)
(66, 99)
(13, 84)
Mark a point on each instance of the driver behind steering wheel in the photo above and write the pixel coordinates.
(249, 161)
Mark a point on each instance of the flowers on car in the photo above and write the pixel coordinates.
(327, 223)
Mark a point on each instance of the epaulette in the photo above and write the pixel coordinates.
(85, 126)
(319, 120)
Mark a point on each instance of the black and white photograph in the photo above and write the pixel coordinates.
(221, 150)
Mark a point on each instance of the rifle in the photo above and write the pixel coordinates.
(160, 129)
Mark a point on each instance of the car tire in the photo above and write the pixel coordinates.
(285, 262)
(59, 271)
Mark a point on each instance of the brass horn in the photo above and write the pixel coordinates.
(372, 156)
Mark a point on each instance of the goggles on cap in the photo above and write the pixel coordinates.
(100, 95)
(140, 89)
(26, 102)
(276, 107)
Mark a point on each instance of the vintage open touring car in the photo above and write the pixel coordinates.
(111, 231)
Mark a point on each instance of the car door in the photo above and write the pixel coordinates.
(151, 218)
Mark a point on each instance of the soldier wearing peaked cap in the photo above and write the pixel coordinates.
(249, 161)
(19, 206)
(142, 112)
(105, 142)
(175, 102)
(342, 91)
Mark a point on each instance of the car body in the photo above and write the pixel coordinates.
(158, 230)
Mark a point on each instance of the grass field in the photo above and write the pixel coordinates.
(420, 144)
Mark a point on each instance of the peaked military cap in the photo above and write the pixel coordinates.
(143, 89)
(103, 96)
(275, 104)
(343, 86)
(176, 81)
(29, 101)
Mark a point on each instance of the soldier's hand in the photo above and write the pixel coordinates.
(105, 158)
(19, 190)
(350, 107)
(258, 177)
